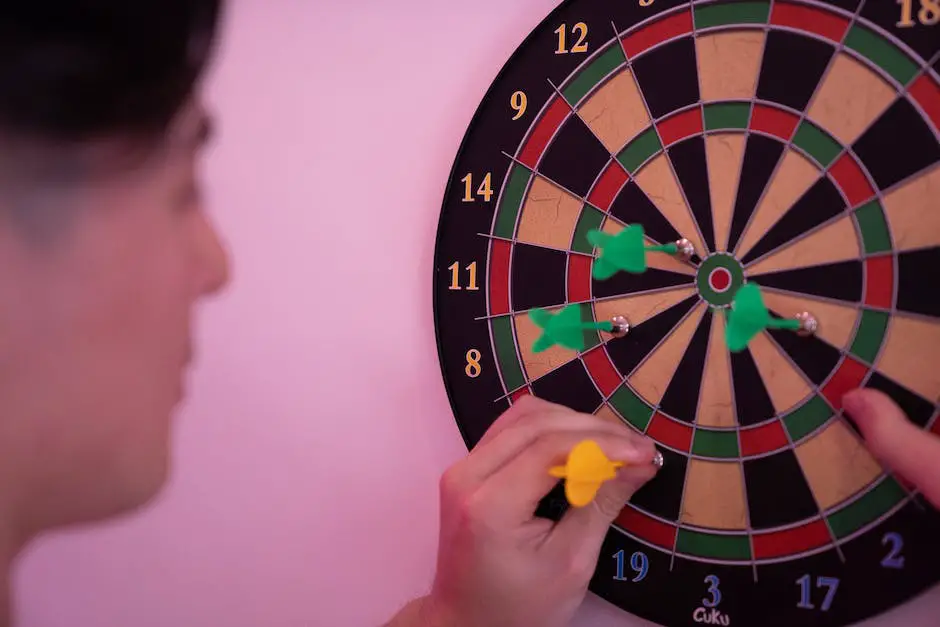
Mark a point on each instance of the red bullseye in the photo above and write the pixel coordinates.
(719, 280)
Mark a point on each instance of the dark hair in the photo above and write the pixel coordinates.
(77, 69)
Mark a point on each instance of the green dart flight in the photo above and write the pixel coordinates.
(625, 251)
(749, 316)
(566, 328)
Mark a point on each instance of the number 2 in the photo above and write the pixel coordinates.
(928, 15)
(638, 562)
(893, 559)
(713, 590)
(579, 46)
(829, 582)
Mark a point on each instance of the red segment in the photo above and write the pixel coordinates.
(936, 426)
(849, 176)
(674, 434)
(848, 377)
(763, 439)
(719, 279)
(801, 17)
(643, 526)
(499, 277)
(608, 186)
(791, 541)
(926, 92)
(649, 36)
(519, 394)
(543, 132)
(685, 124)
(601, 370)
(579, 278)
(773, 121)
(879, 281)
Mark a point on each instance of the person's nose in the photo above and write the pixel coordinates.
(212, 259)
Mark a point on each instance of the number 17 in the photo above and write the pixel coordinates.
(829, 582)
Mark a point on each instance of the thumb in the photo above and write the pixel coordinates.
(898, 443)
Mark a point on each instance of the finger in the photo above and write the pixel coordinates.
(514, 491)
(581, 532)
(525, 406)
(899, 444)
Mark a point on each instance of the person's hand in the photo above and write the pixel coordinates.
(500, 566)
(899, 444)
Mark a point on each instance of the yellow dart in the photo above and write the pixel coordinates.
(586, 470)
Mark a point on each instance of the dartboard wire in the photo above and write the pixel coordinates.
(639, 88)
(802, 117)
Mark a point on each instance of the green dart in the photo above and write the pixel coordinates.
(626, 251)
(749, 316)
(566, 328)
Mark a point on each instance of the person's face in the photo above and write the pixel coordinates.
(95, 334)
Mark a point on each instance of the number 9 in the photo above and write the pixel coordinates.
(519, 103)
(640, 564)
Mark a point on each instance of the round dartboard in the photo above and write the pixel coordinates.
(794, 144)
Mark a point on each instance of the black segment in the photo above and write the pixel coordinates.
(761, 156)
(688, 159)
(773, 480)
(821, 202)
(681, 397)
(623, 283)
(842, 281)
(570, 386)
(898, 145)
(575, 157)
(632, 206)
(662, 495)
(538, 277)
(848, 5)
(918, 410)
(922, 39)
(751, 399)
(812, 355)
(780, 585)
(917, 280)
(792, 67)
(626, 353)
(668, 77)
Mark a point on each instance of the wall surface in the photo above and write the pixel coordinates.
(309, 451)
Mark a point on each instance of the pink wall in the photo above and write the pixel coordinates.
(311, 445)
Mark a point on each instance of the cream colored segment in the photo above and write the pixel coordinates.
(660, 261)
(659, 183)
(850, 99)
(836, 464)
(728, 64)
(549, 216)
(715, 404)
(652, 378)
(607, 413)
(836, 322)
(795, 174)
(909, 355)
(784, 384)
(724, 153)
(540, 364)
(912, 212)
(834, 242)
(714, 495)
(641, 307)
(616, 112)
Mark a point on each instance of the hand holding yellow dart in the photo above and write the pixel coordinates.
(584, 473)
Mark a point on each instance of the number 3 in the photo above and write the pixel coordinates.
(713, 590)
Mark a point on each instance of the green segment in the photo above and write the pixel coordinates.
(511, 202)
(874, 227)
(727, 115)
(639, 150)
(806, 419)
(631, 407)
(590, 219)
(817, 143)
(708, 443)
(868, 508)
(713, 545)
(506, 353)
(729, 263)
(882, 53)
(591, 337)
(732, 13)
(594, 73)
(871, 333)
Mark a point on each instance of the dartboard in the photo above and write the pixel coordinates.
(792, 145)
